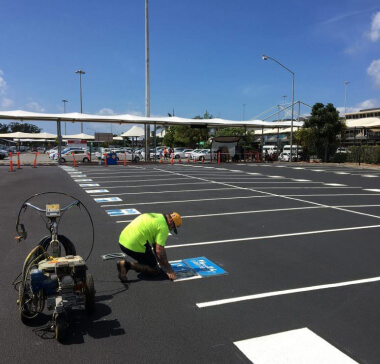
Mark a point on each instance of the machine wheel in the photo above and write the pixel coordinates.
(27, 312)
(137, 159)
(60, 327)
(63, 160)
(85, 160)
(89, 294)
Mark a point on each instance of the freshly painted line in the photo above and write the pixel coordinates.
(143, 180)
(298, 168)
(281, 196)
(301, 180)
(295, 346)
(368, 175)
(334, 184)
(373, 190)
(89, 184)
(158, 192)
(244, 212)
(274, 236)
(83, 180)
(159, 185)
(182, 201)
(341, 172)
(317, 170)
(287, 291)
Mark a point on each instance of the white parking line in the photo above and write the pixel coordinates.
(273, 236)
(285, 292)
(291, 347)
(182, 201)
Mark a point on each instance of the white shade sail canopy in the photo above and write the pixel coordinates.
(133, 119)
(135, 131)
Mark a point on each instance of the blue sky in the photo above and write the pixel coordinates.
(204, 55)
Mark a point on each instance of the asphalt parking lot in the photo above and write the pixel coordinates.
(299, 244)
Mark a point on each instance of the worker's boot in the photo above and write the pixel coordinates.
(123, 268)
(146, 269)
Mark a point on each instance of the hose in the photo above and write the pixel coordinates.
(30, 261)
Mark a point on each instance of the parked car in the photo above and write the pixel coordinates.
(181, 152)
(53, 150)
(5, 153)
(54, 155)
(80, 156)
(129, 156)
(285, 156)
(200, 154)
(342, 150)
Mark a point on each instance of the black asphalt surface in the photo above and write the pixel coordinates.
(272, 227)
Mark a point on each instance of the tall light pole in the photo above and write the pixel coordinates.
(291, 123)
(80, 94)
(147, 81)
(64, 111)
(284, 96)
(345, 95)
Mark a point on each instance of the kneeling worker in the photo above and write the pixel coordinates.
(137, 239)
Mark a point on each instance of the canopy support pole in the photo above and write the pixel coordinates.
(59, 136)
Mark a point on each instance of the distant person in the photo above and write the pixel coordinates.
(165, 153)
(144, 240)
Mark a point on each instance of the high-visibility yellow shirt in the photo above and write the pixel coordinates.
(149, 227)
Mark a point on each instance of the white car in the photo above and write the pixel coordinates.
(80, 156)
(200, 154)
(181, 152)
(121, 156)
(50, 151)
(54, 155)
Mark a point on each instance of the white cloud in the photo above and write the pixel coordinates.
(3, 84)
(374, 71)
(374, 34)
(368, 104)
(106, 111)
(34, 106)
(6, 103)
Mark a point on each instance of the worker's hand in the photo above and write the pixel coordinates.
(172, 276)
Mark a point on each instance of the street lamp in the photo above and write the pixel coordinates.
(64, 110)
(345, 95)
(80, 94)
(284, 97)
(291, 123)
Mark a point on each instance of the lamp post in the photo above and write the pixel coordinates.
(345, 95)
(80, 95)
(291, 123)
(284, 97)
(64, 110)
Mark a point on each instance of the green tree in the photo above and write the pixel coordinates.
(326, 127)
(185, 135)
(24, 127)
(3, 128)
(249, 135)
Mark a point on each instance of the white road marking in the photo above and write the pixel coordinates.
(287, 291)
(334, 184)
(341, 172)
(242, 212)
(246, 239)
(368, 175)
(373, 190)
(281, 196)
(292, 347)
(177, 191)
(182, 201)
